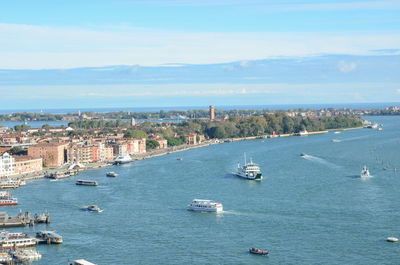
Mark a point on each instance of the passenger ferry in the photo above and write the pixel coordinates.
(10, 184)
(123, 159)
(49, 237)
(6, 199)
(249, 170)
(205, 206)
(20, 241)
(86, 182)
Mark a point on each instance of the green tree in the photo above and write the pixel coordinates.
(17, 150)
(135, 134)
(152, 144)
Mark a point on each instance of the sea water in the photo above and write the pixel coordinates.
(307, 210)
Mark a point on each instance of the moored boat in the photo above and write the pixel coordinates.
(303, 133)
(258, 251)
(112, 174)
(9, 183)
(123, 159)
(86, 182)
(205, 206)
(7, 242)
(6, 199)
(249, 170)
(26, 255)
(49, 237)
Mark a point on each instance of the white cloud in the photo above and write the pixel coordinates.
(58, 47)
(346, 67)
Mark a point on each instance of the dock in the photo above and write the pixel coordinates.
(22, 220)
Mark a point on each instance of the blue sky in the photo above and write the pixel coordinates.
(156, 35)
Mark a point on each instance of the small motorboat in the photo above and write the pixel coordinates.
(258, 251)
(94, 208)
(303, 154)
(112, 174)
(392, 239)
(179, 158)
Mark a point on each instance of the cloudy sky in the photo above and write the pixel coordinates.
(346, 51)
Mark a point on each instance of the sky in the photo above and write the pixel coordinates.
(220, 39)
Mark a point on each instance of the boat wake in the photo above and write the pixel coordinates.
(320, 160)
(233, 212)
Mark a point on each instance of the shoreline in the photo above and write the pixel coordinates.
(166, 151)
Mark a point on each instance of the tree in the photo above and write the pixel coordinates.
(152, 144)
(17, 150)
(216, 132)
(135, 134)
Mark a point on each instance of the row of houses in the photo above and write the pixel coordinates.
(19, 165)
(55, 154)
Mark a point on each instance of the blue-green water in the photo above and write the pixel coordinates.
(312, 210)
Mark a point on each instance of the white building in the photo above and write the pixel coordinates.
(6, 165)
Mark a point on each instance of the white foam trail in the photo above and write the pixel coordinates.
(321, 161)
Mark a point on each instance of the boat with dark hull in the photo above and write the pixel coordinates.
(258, 251)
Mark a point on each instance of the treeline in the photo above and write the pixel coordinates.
(266, 124)
(30, 116)
(94, 124)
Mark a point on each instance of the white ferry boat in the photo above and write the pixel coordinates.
(365, 172)
(249, 170)
(27, 255)
(205, 206)
(6, 199)
(20, 241)
(123, 159)
(10, 184)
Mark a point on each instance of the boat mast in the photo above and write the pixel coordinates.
(245, 163)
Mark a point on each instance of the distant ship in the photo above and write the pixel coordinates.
(249, 170)
(205, 206)
(123, 159)
(365, 172)
(303, 133)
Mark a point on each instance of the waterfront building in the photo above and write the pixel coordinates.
(163, 143)
(26, 165)
(191, 138)
(52, 154)
(83, 153)
(212, 113)
(6, 165)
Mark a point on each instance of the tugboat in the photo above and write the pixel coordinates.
(205, 206)
(249, 170)
(365, 172)
(112, 174)
(94, 208)
(258, 251)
